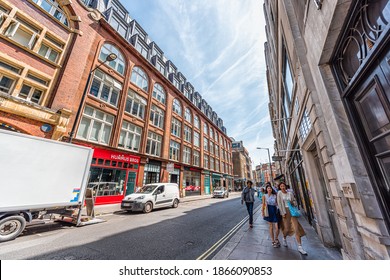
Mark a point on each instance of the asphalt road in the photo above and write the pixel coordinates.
(183, 233)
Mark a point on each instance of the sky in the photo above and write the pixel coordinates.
(219, 47)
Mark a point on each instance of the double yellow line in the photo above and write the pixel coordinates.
(213, 248)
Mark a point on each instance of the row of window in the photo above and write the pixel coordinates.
(30, 87)
(107, 89)
(96, 126)
(25, 33)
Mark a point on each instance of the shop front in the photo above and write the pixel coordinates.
(228, 182)
(113, 175)
(191, 181)
(207, 182)
(174, 176)
(216, 180)
(152, 172)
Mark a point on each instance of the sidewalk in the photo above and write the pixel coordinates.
(255, 244)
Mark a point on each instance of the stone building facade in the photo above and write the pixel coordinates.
(329, 81)
(242, 165)
(145, 121)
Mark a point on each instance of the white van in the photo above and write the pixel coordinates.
(152, 196)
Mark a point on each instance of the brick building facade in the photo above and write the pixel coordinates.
(140, 114)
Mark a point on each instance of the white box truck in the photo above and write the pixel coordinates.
(39, 176)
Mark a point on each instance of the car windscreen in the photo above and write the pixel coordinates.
(148, 189)
(219, 189)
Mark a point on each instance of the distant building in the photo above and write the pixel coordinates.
(242, 165)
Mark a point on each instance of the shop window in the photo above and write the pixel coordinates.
(100, 161)
(107, 181)
(95, 126)
(105, 88)
(107, 163)
(135, 104)
(139, 78)
(117, 64)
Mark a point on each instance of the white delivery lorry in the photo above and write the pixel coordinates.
(39, 176)
(152, 196)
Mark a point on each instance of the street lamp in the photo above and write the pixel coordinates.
(110, 57)
(269, 159)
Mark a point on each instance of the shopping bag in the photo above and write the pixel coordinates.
(294, 211)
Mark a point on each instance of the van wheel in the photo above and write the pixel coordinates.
(175, 203)
(11, 227)
(148, 207)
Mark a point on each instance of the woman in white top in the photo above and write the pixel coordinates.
(291, 224)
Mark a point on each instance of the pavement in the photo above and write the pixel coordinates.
(254, 243)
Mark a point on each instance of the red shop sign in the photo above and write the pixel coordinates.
(110, 155)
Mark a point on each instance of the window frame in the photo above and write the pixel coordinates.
(139, 78)
(133, 135)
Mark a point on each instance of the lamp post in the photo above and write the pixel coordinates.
(110, 57)
(269, 159)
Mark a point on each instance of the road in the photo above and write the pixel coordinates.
(183, 233)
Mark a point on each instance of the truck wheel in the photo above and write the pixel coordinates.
(148, 207)
(11, 227)
(175, 203)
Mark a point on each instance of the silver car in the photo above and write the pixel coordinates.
(220, 192)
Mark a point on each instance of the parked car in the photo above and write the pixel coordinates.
(220, 192)
(152, 196)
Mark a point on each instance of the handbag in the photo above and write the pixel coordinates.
(266, 211)
(294, 211)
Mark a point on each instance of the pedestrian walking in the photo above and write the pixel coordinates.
(291, 225)
(248, 196)
(271, 215)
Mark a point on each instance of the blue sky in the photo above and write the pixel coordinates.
(219, 46)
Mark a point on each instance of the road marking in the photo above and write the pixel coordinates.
(227, 236)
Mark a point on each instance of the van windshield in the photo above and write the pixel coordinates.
(148, 189)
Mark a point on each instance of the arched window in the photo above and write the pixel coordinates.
(188, 115)
(205, 129)
(117, 64)
(52, 7)
(139, 78)
(159, 93)
(196, 122)
(176, 107)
